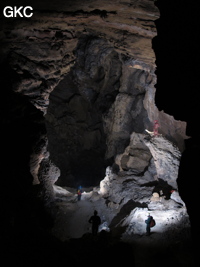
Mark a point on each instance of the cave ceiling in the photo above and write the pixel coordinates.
(43, 45)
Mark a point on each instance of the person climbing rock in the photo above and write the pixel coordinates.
(96, 221)
(155, 128)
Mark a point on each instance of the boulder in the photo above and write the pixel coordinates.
(136, 157)
(155, 197)
(166, 158)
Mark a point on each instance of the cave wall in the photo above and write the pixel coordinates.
(91, 71)
(21, 126)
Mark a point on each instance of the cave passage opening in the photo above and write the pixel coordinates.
(76, 112)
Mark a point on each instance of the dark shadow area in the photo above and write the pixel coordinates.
(177, 58)
(76, 111)
(100, 251)
(21, 124)
(24, 221)
(188, 186)
(161, 187)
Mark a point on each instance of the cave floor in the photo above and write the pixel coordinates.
(70, 242)
(72, 227)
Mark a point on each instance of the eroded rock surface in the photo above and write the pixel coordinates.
(90, 68)
(166, 157)
(124, 199)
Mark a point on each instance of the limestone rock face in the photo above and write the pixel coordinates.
(134, 190)
(48, 174)
(148, 162)
(166, 157)
(41, 49)
(39, 153)
(131, 193)
(89, 67)
(136, 157)
(143, 151)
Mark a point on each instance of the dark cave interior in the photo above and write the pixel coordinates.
(176, 50)
(78, 147)
(177, 57)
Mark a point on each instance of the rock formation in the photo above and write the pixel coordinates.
(89, 68)
(124, 198)
(102, 79)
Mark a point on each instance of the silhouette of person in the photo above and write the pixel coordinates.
(96, 221)
(148, 221)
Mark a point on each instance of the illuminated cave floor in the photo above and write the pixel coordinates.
(72, 227)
